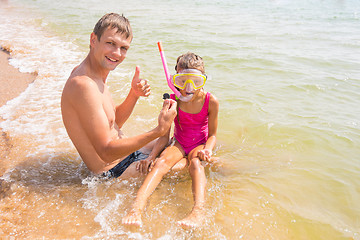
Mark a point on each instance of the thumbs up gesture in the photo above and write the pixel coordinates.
(140, 86)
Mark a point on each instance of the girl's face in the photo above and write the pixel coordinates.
(189, 91)
(192, 79)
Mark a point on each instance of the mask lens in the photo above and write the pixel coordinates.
(180, 80)
(198, 81)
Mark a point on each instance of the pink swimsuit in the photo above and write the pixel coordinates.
(193, 128)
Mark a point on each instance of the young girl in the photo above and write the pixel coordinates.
(193, 141)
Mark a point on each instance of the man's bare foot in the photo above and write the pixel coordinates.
(194, 220)
(133, 218)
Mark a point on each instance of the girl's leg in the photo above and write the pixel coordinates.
(168, 158)
(180, 165)
(197, 173)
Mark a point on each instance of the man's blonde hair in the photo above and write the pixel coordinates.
(113, 20)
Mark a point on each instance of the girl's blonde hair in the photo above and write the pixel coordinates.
(190, 60)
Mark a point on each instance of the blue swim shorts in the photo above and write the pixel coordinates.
(116, 171)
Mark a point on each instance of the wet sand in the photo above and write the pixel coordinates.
(12, 83)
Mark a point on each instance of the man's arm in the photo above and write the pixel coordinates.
(139, 87)
(145, 165)
(86, 100)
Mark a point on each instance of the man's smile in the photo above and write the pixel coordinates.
(111, 59)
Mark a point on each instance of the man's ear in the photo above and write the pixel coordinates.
(93, 39)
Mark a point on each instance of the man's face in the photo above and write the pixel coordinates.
(111, 49)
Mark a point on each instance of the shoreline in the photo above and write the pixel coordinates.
(12, 84)
(12, 81)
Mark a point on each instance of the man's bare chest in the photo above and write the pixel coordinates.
(109, 107)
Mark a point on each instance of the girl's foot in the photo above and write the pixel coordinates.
(194, 220)
(133, 218)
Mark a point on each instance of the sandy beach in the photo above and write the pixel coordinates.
(12, 84)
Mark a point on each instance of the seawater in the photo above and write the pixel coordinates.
(286, 74)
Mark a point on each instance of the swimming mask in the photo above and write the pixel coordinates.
(189, 76)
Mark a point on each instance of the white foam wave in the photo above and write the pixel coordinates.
(36, 111)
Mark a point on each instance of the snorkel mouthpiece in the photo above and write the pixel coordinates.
(166, 96)
(186, 98)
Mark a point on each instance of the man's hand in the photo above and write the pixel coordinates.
(205, 155)
(141, 87)
(143, 165)
(166, 116)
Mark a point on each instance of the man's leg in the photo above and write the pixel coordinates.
(130, 172)
(148, 147)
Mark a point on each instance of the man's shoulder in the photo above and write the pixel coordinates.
(79, 87)
(81, 83)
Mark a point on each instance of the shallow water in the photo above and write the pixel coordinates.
(286, 74)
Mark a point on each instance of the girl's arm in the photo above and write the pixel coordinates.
(206, 153)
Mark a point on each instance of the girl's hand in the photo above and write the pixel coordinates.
(205, 155)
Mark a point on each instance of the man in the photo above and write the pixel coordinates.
(91, 119)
